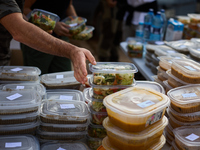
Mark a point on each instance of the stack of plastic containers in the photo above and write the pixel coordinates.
(135, 118)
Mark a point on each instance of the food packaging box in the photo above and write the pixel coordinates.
(113, 73)
(129, 140)
(169, 129)
(183, 19)
(96, 131)
(93, 143)
(155, 60)
(163, 51)
(19, 73)
(76, 24)
(186, 70)
(194, 18)
(19, 102)
(152, 48)
(87, 94)
(153, 69)
(195, 53)
(155, 78)
(86, 34)
(3, 82)
(174, 146)
(135, 109)
(167, 86)
(97, 117)
(44, 19)
(60, 80)
(162, 75)
(135, 47)
(169, 138)
(185, 99)
(19, 142)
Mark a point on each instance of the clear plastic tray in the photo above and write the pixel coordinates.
(87, 94)
(162, 75)
(19, 82)
(183, 19)
(185, 99)
(96, 131)
(152, 48)
(155, 78)
(113, 73)
(86, 34)
(60, 80)
(148, 58)
(97, 117)
(19, 142)
(153, 68)
(186, 70)
(135, 109)
(195, 52)
(167, 86)
(155, 60)
(19, 73)
(165, 62)
(93, 143)
(169, 138)
(164, 50)
(64, 112)
(98, 106)
(130, 140)
(174, 146)
(194, 18)
(16, 102)
(77, 24)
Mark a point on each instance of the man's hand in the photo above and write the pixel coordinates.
(111, 3)
(61, 29)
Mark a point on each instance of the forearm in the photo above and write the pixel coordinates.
(71, 10)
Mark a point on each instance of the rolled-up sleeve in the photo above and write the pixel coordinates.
(136, 3)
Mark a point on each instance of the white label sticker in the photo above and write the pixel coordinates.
(171, 52)
(19, 87)
(169, 61)
(16, 69)
(73, 24)
(146, 104)
(60, 76)
(192, 137)
(178, 57)
(14, 96)
(11, 145)
(154, 118)
(182, 46)
(190, 68)
(138, 43)
(186, 95)
(108, 69)
(159, 43)
(60, 148)
(67, 106)
(198, 49)
(64, 97)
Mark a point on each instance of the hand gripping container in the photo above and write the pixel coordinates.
(86, 34)
(186, 70)
(128, 140)
(44, 19)
(185, 99)
(19, 73)
(135, 109)
(113, 73)
(64, 112)
(96, 131)
(19, 102)
(187, 137)
(19, 142)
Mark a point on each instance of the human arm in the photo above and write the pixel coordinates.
(111, 3)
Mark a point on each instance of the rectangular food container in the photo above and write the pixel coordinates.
(155, 60)
(64, 112)
(3, 82)
(96, 131)
(153, 68)
(60, 80)
(186, 70)
(44, 19)
(169, 138)
(97, 117)
(135, 109)
(19, 73)
(162, 75)
(163, 51)
(135, 47)
(19, 102)
(93, 143)
(167, 86)
(129, 140)
(155, 78)
(87, 94)
(185, 99)
(113, 73)
(98, 106)
(76, 24)
(195, 53)
(86, 34)
(19, 142)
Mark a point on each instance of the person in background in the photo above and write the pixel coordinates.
(12, 25)
(45, 62)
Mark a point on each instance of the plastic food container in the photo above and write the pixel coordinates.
(23, 128)
(93, 143)
(98, 106)
(162, 75)
(195, 53)
(113, 73)
(77, 24)
(152, 48)
(97, 117)
(129, 140)
(155, 60)
(169, 138)
(151, 85)
(19, 73)
(167, 86)
(87, 94)
(183, 19)
(148, 63)
(158, 80)
(164, 50)
(169, 129)
(18, 102)
(60, 80)
(165, 62)
(194, 18)
(19, 142)
(96, 131)
(135, 47)
(19, 82)
(185, 99)
(186, 70)
(148, 58)
(64, 112)
(135, 109)
(86, 34)
(174, 146)
(153, 68)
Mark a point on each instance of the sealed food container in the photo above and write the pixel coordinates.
(151, 85)
(148, 63)
(86, 34)
(60, 80)
(162, 75)
(129, 140)
(18, 102)
(135, 109)
(64, 146)
(183, 19)
(185, 99)
(187, 137)
(165, 50)
(113, 73)
(148, 54)
(194, 18)
(135, 47)
(44, 19)
(87, 94)
(93, 143)
(167, 86)
(174, 146)
(166, 62)
(148, 58)
(155, 60)
(98, 106)
(158, 80)
(64, 112)
(195, 53)
(97, 117)
(19, 142)
(153, 68)
(152, 48)
(169, 138)
(96, 131)
(19, 73)
(3, 82)
(186, 70)
(23, 128)
(76, 24)
(169, 129)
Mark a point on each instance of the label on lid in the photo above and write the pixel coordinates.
(169, 61)
(190, 68)
(159, 43)
(186, 95)
(60, 76)
(73, 24)
(178, 57)
(154, 118)
(198, 49)
(60, 148)
(171, 52)
(13, 144)
(109, 69)
(19, 87)
(67, 106)
(182, 46)
(16, 69)
(65, 97)
(14, 96)
(146, 104)
(192, 137)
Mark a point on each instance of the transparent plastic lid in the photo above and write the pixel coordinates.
(136, 102)
(151, 85)
(19, 142)
(74, 22)
(164, 50)
(167, 85)
(87, 94)
(153, 48)
(87, 30)
(48, 14)
(195, 52)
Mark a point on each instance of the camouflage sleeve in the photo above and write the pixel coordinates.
(7, 7)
